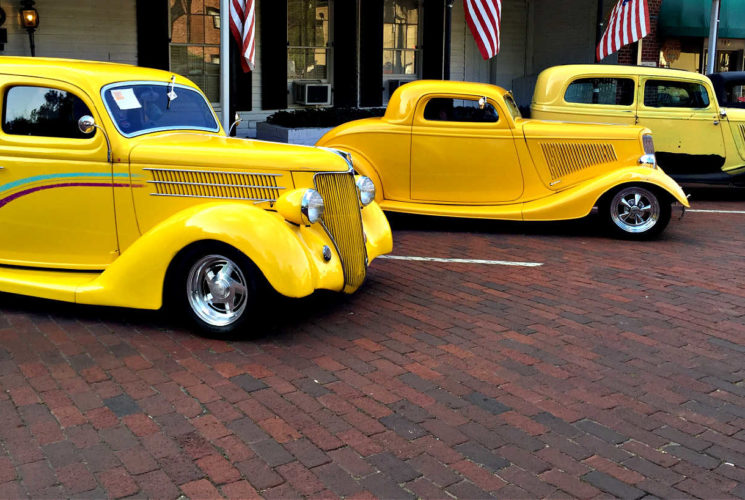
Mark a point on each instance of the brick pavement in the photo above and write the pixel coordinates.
(614, 370)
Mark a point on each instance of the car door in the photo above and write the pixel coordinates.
(56, 200)
(462, 153)
(685, 124)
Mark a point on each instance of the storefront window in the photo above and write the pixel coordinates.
(401, 37)
(195, 43)
(307, 39)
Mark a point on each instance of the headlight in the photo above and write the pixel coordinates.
(648, 158)
(311, 205)
(366, 189)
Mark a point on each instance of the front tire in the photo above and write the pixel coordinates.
(636, 212)
(216, 288)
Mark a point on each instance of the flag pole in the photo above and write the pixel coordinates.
(713, 30)
(225, 63)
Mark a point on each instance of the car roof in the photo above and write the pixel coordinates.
(552, 81)
(403, 101)
(88, 75)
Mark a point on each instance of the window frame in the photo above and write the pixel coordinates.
(417, 50)
(6, 89)
(328, 48)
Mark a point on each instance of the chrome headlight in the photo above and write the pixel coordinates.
(311, 205)
(366, 189)
(648, 158)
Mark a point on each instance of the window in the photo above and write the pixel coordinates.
(459, 110)
(195, 43)
(43, 112)
(307, 39)
(139, 108)
(401, 37)
(671, 94)
(614, 91)
(735, 95)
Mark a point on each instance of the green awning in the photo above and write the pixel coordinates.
(691, 18)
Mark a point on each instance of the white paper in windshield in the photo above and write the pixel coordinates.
(125, 99)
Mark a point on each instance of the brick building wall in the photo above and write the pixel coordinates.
(651, 44)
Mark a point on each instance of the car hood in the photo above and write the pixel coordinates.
(547, 129)
(216, 151)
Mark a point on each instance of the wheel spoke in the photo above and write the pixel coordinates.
(237, 288)
(625, 203)
(227, 270)
(637, 197)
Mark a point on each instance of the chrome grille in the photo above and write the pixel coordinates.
(343, 223)
(215, 184)
(567, 158)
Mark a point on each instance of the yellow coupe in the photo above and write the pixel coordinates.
(118, 187)
(462, 149)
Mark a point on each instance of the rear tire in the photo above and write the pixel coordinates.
(215, 287)
(636, 212)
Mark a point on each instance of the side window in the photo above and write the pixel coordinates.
(43, 112)
(618, 91)
(671, 94)
(459, 110)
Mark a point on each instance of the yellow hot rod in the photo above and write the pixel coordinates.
(118, 187)
(461, 149)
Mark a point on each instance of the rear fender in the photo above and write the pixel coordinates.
(137, 277)
(577, 201)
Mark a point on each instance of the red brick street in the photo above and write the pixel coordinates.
(615, 368)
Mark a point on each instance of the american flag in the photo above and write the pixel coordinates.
(243, 27)
(628, 22)
(484, 17)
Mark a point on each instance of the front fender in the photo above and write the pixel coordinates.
(279, 250)
(577, 202)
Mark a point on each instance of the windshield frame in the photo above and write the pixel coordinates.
(111, 115)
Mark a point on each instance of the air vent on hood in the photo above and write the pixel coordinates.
(215, 184)
(567, 158)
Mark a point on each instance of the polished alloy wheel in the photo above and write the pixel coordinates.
(217, 290)
(635, 209)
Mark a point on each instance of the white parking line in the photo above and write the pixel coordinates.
(716, 211)
(463, 261)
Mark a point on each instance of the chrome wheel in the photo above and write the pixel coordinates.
(217, 290)
(635, 210)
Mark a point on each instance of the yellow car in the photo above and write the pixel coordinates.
(118, 187)
(462, 149)
(698, 139)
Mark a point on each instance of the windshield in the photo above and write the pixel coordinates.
(512, 106)
(141, 107)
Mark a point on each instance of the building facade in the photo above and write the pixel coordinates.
(344, 52)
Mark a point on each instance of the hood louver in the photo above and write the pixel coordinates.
(567, 158)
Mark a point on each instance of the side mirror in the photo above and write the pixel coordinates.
(86, 124)
(236, 120)
(723, 113)
(482, 102)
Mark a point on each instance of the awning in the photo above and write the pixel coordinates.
(691, 18)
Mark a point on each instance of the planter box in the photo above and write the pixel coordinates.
(307, 136)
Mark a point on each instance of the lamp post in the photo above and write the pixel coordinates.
(29, 21)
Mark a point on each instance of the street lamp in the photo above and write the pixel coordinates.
(29, 21)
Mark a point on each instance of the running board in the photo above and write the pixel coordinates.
(44, 283)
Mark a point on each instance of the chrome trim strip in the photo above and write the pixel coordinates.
(215, 185)
(210, 171)
(260, 200)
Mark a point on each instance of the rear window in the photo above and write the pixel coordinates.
(672, 94)
(613, 91)
(735, 95)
